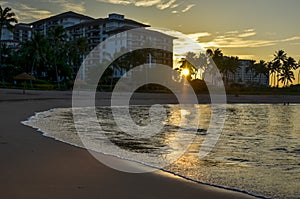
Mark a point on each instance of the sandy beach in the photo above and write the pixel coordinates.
(33, 166)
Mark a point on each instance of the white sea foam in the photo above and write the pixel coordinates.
(258, 141)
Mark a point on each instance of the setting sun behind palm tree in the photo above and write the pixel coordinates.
(185, 72)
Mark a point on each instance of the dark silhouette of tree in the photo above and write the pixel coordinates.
(186, 65)
(298, 67)
(57, 38)
(7, 20)
(226, 65)
(278, 61)
(261, 69)
(211, 67)
(287, 74)
(76, 51)
(229, 66)
(34, 51)
(251, 69)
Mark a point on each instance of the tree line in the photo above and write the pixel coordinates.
(51, 57)
(55, 58)
(281, 69)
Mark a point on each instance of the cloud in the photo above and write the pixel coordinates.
(291, 39)
(3, 3)
(235, 39)
(26, 13)
(174, 5)
(188, 8)
(237, 42)
(145, 3)
(120, 2)
(247, 33)
(183, 43)
(197, 36)
(196, 42)
(232, 32)
(249, 30)
(159, 4)
(166, 5)
(74, 6)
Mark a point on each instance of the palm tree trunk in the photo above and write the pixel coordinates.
(56, 71)
(260, 78)
(32, 67)
(112, 79)
(1, 68)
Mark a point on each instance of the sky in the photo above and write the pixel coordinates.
(249, 29)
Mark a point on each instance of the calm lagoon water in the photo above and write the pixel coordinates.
(258, 150)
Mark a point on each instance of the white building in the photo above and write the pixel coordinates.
(249, 77)
(156, 48)
(242, 76)
(66, 19)
(98, 30)
(7, 38)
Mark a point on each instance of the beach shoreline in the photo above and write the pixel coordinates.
(103, 98)
(34, 166)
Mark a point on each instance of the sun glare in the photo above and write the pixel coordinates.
(185, 72)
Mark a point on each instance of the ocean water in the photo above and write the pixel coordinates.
(257, 152)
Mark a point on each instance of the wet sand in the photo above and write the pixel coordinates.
(33, 166)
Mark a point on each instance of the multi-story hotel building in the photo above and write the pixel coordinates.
(97, 31)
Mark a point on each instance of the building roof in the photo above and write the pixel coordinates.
(23, 26)
(127, 21)
(64, 15)
(88, 22)
(107, 20)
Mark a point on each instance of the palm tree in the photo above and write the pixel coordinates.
(35, 51)
(229, 66)
(278, 61)
(261, 68)
(186, 65)
(271, 72)
(76, 52)
(7, 19)
(251, 68)
(298, 67)
(291, 63)
(287, 74)
(214, 60)
(57, 41)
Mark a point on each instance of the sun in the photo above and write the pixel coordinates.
(185, 72)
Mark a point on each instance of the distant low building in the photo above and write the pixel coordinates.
(243, 76)
(249, 77)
